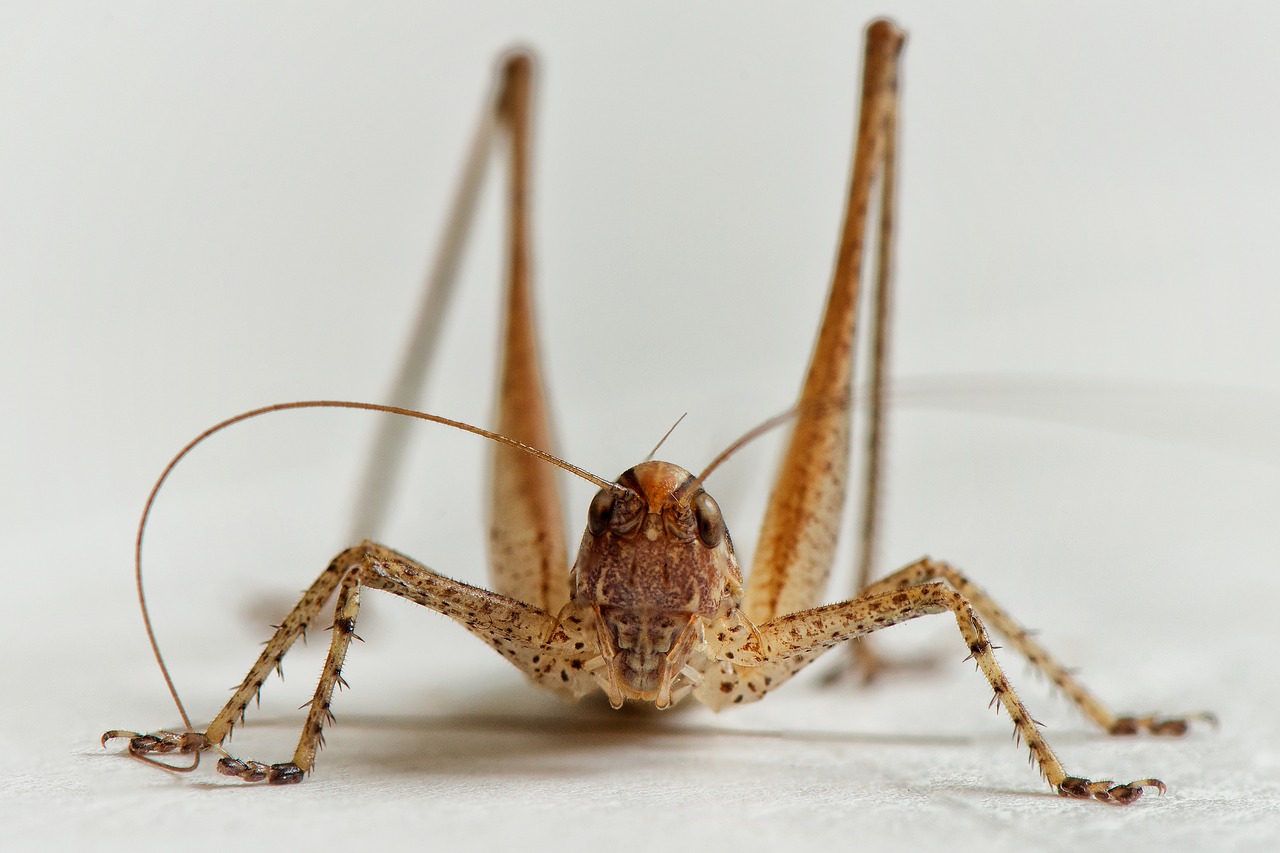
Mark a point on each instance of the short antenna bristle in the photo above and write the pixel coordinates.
(664, 438)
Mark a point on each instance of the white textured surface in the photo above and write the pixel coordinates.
(205, 211)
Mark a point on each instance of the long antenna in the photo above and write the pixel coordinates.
(309, 404)
(746, 438)
(686, 490)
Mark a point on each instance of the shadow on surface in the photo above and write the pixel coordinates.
(511, 730)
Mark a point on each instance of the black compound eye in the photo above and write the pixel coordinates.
(710, 523)
(600, 511)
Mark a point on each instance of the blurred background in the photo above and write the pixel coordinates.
(210, 208)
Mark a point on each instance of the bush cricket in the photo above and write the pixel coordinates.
(655, 608)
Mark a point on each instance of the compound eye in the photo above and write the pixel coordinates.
(600, 512)
(710, 523)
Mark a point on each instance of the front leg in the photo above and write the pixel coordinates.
(294, 625)
(793, 641)
(925, 570)
(554, 653)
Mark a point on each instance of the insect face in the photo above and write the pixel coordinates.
(654, 567)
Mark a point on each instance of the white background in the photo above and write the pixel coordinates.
(208, 207)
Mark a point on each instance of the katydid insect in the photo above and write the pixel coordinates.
(655, 608)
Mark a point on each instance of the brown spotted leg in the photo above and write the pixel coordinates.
(528, 557)
(550, 651)
(793, 641)
(926, 570)
(798, 537)
(526, 539)
(864, 659)
(318, 713)
(878, 381)
(803, 518)
(144, 746)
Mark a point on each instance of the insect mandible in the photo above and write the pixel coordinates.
(655, 608)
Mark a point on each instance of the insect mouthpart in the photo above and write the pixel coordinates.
(646, 652)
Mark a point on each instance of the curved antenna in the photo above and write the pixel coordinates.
(844, 401)
(687, 489)
(664, 438)
(309, 404)
(746, 438)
